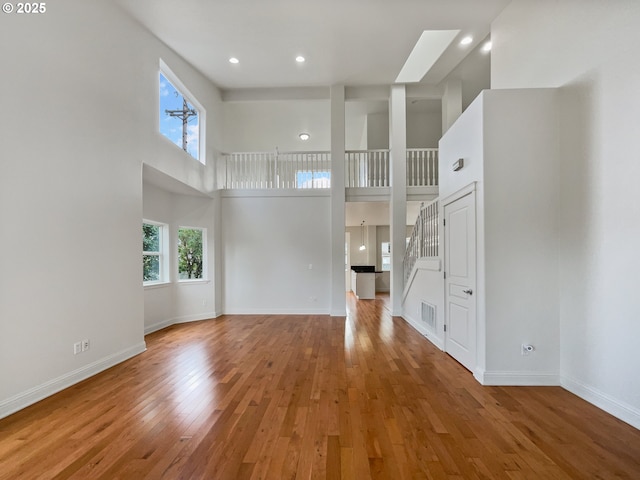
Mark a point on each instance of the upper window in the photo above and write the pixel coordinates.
(191, 253)
(181, 116)
(153, 253)
(313, 179)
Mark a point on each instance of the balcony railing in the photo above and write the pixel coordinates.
(278, 170)
(366, 168)
(424, 240)
(363, 169)
(422, 167)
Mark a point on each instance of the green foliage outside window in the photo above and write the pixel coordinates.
(151, 252)
(190, 253)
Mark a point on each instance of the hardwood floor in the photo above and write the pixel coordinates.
(283, 397)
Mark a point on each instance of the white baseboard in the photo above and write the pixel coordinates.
(185, 319)
(196, 318)
(35, 394)
(429, 335)
(517, 378)
(158, 326)
(283, 311)
(618, 409)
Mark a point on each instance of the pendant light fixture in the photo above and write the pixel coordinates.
(362, 245)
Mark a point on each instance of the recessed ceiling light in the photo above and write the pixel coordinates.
(304, 136)
(234, 60)
(466, 40)
(486, 47)
(300, 59)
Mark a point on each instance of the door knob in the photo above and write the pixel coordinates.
(468, 291)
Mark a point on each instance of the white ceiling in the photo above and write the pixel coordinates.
(350, 42)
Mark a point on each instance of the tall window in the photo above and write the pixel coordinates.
(181, 117)
(385, 248)
(191, 253)
(153, 254)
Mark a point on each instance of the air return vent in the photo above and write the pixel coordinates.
(428, 315)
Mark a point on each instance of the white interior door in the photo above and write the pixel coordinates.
(460, 281)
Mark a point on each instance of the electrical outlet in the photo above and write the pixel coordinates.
(85, 344)
(527, 349)
(77, 348)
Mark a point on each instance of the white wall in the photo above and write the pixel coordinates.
(424, 130)
(83, 105)
(256, 126)
(474, 74)
(378, 131)
(269, 245)
(180, 301)
(426, 285)
(508, 142)
(588, 49)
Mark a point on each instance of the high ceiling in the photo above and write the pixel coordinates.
(350, 42)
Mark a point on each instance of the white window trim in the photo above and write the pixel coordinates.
(163, 254)
(205, 256)
(202, 113)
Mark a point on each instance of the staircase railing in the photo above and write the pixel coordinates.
(424, 240)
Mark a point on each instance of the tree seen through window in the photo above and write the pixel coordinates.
(190, 253)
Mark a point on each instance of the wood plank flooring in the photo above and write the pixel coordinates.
(309, 397)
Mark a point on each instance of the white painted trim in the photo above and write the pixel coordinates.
(35, 394)
(423, 263)
(193, 281)
(158, 326)
(280, 312)
(185, 319)
(276, 192)
(367, 194)
(463, 192)
(167, 72)
(195, 317)
(517, 378)
(618, 409)
(423, 331)
(151, 286)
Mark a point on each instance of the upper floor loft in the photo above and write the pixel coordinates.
(363, 169)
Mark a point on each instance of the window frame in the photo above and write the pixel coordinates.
(162, 254)
(205, 273)
(186, 93)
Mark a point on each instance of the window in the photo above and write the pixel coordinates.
(153, 253)
(385, 248)
(181, 117)
(191, 253)
(313, 179)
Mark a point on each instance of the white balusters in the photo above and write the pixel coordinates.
(422, 167)
(367, 168)
(363, 168)
(424, 239)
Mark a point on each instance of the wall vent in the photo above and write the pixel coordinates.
(428, 314)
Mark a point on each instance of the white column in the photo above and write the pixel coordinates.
(338, 298)
(398, 199)
(451, 103)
